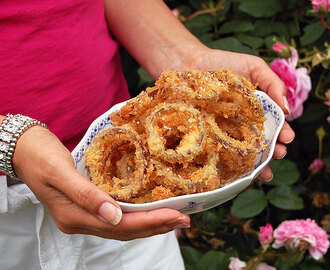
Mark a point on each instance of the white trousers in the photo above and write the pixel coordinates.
(30, 240)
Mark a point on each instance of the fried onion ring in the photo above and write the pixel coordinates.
(136, 108)
(219, 92)
(192, 132)
(116, 162)
(200, 176)
(237, 155)
(176, 132)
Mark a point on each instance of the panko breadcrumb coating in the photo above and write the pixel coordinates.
(192, 132)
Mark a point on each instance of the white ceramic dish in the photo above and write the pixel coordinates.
(201, 201)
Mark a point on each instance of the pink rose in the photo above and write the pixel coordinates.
(265, 266)
(285, 71)
(298, 96)
(236, 264)
(316, 165)
(293, 60)
(266, 234)
(298, 83)
(281, 49)
(292, 233)
(321, 4)
(278, 47)
(175, 12)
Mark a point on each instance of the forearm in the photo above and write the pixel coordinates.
(151, 34)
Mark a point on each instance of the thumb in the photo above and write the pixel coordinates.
(269, 82)
(91, 198)
(40, 158)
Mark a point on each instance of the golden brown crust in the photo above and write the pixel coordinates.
(192, 132)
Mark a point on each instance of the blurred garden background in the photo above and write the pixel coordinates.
(282, 224)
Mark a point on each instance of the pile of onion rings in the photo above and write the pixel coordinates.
(192, 132)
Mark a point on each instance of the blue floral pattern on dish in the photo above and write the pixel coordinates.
(193, 205)
(94, 131)
(269, 108)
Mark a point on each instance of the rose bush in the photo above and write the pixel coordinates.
(292, 36)
(297, 81)
(300, 234)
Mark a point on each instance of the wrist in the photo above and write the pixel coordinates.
(195, 57)
(11, 129)
(175, 56)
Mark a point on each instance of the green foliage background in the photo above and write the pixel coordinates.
(252, 26)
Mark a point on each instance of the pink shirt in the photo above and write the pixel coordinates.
(58, 64)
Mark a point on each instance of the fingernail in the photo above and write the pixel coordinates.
(110, 213)
(181, 226)
(289, 141)
(270, 179)
(286, 105)
(282, 156)
(176, 220)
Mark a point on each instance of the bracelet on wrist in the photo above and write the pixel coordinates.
(11, 129)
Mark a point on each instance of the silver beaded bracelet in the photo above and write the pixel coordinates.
(11, 128)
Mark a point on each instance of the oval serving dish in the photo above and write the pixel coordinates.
(193, 203)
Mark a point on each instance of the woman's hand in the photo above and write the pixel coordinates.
(77, 205)
(258, 72)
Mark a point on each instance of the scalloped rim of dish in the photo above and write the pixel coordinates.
(235, 182)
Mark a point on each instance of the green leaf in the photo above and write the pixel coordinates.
(253, 42)
(190, 255)
(145, 78)
(206, 38)
(281, 30)
(210, 219)
(261, 8)
(225, 9)
(300, 189)
(200, 25)
(235, 27)
(196, 4)
(262, 28)
(285, 172)
(312, 32)
(212, 260)
(285, 198)
(294, 4)
(231, 44)
(294, 28)
(185, 10)
(249, 204)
